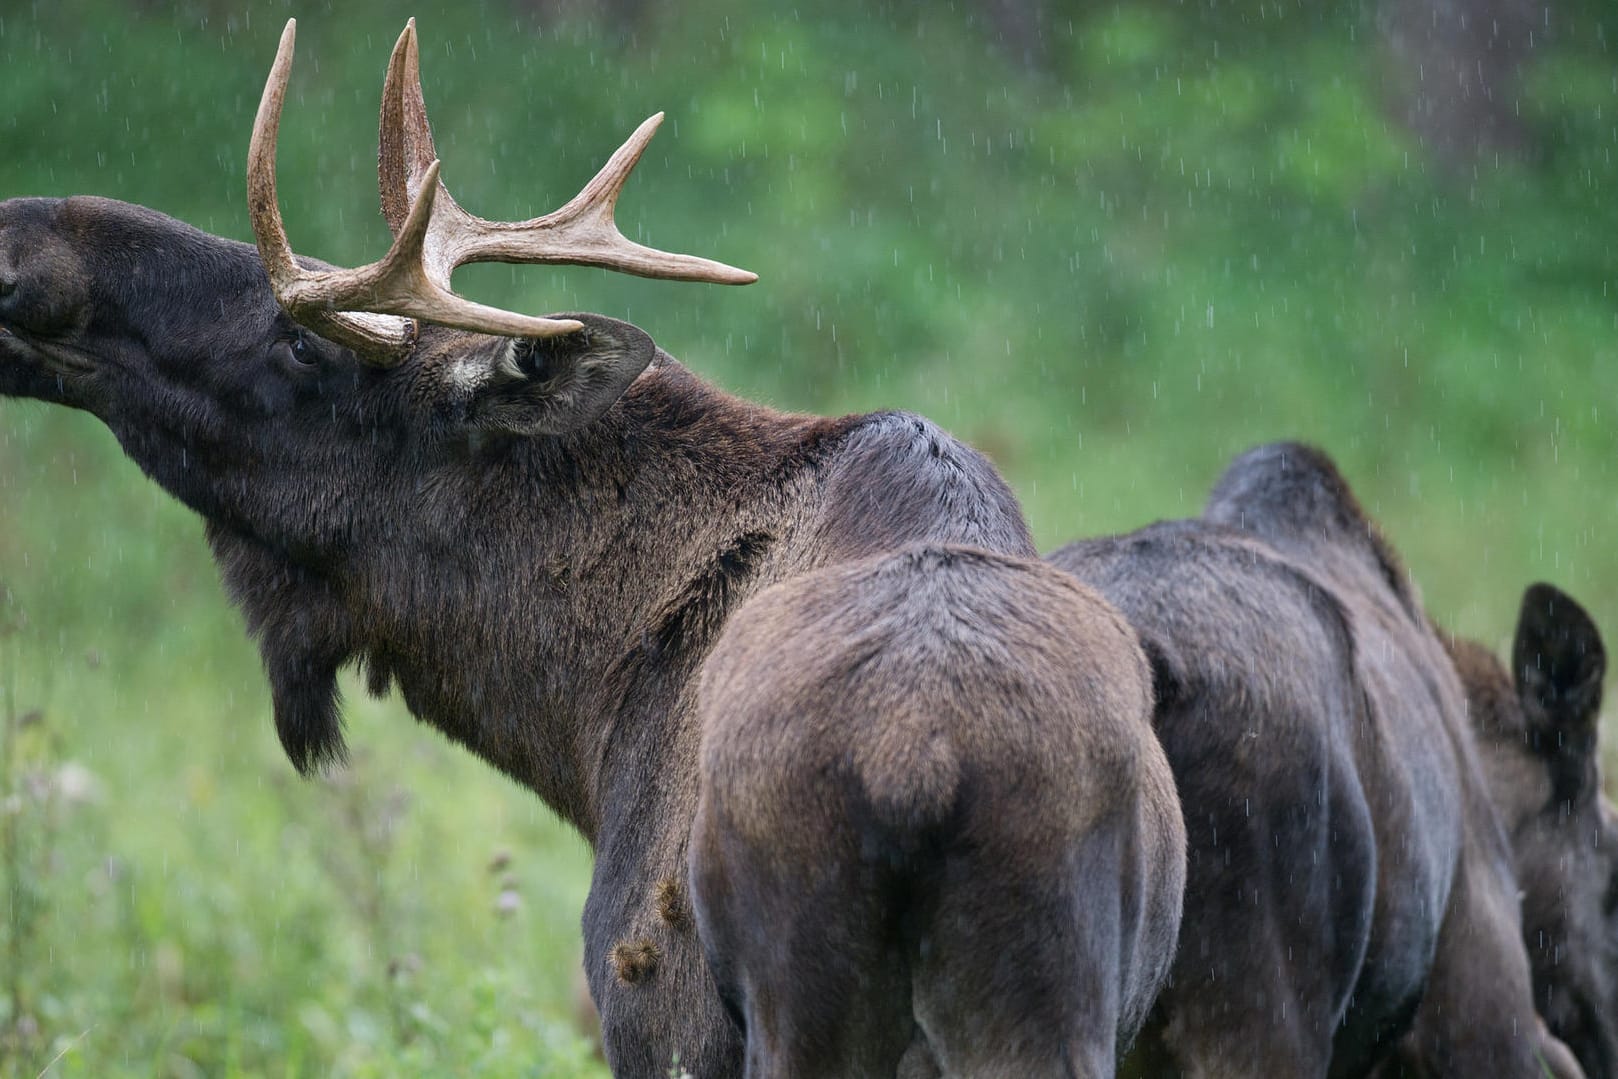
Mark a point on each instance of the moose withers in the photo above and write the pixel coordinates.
(538, 529)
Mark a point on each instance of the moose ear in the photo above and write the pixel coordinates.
(554, 385)
(1558, 661)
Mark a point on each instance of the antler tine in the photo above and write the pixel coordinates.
(584, 233)
(379, 339)
(404, 138)
(263, 204)
(405, 151)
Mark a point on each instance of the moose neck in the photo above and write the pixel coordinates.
(548, 603)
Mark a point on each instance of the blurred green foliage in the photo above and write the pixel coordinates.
(1191, 230)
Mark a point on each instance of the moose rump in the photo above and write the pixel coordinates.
(933, 819)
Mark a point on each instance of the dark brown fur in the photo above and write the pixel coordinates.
(1345, 866)
(1260, 711)
(540, 570)
(1293, 497)
(934, 821)
(1537, 740)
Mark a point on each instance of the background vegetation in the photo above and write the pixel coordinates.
(1110, 244)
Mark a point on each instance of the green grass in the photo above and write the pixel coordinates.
(1194, 233)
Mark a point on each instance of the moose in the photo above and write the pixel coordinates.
(537, 529)
(1536, 735)
(933, 814)
(1350, 900)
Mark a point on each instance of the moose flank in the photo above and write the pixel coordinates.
(537, 529)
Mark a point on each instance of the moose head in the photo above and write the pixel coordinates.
(297, 406)
(327, 372)
(1536, 730)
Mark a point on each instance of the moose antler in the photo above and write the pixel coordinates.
(582, 233)
(374, 309)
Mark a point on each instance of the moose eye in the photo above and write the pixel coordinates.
(295, 353)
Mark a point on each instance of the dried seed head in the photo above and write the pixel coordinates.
(670, 904)
(634, 961)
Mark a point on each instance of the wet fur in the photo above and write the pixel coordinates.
(1346, 873)
(934, 824)
(1536, 734)
(1292, 497)
(540, 573)
(1259, 710)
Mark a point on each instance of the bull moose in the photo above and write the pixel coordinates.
(536, 529)
(932, 811)
(1536, 735)
(1350, 896)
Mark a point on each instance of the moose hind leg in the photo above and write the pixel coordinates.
(1018, 965)
(1476, 1016)
(820, 982)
